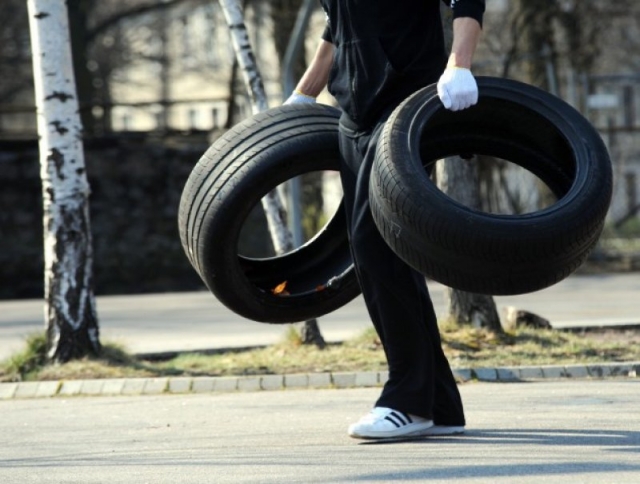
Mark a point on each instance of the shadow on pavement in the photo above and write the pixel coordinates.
(516, 442)
(540, 470)
(600, 438)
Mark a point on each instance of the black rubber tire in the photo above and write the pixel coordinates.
(229, 180)
(481, 252)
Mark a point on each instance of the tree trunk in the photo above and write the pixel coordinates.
(477, 310)
(165, 69)
(538, 44)
(242, 47)
(272, 204)
(284, 14)
(458, 178)
(231, 101)
(540, 58)
(310, 334)
(70, 313)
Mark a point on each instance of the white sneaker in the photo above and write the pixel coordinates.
(385, 423)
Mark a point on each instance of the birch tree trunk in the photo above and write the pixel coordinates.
(70, 313)
(271, 203)
(459, 179)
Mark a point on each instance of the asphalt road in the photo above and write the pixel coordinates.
(564, 432)
(152, 323)
(584, 431)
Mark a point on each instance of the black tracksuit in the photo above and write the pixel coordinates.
(384, 51)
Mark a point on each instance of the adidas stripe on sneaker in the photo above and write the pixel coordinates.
(385, 423)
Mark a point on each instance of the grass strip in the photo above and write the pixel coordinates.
(465, 347)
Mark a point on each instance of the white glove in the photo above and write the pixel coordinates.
(457, 88)
(299, 98)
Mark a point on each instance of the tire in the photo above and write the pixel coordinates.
(481, 252)
(229, 180)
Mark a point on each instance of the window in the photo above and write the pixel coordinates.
(215, 117)
(126, 122)
(193, 118)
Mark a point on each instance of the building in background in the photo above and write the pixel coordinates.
(171, 69)
(183, 75)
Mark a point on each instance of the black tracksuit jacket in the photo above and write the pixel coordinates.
(385, 50)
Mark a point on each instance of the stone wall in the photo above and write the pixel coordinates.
(136, 183)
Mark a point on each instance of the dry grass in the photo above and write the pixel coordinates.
(465, 348)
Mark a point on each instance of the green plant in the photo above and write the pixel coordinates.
(28, 361)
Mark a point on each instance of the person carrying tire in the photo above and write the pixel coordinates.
(372, 55)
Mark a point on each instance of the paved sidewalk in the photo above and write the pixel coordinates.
(584, 432)
(157, 323)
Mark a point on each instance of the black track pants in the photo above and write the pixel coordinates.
(420, 379)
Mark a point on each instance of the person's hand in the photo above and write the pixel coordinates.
(298, 97)
(457, 88)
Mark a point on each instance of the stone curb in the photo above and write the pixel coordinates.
(253, 383)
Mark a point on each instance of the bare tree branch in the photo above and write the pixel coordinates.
(128, 14)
